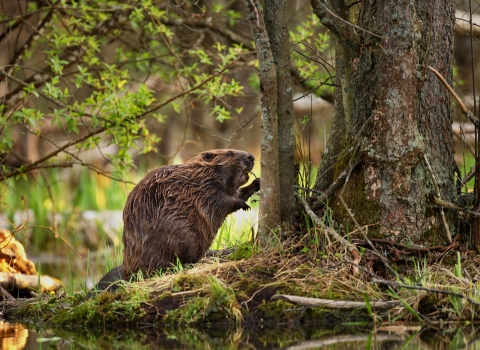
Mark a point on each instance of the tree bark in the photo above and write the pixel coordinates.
(276, 25)
(392, 111)
(338, 134)
(269, 215)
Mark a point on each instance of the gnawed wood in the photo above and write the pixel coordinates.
(16, 281)
(12, 255)
(335, 304)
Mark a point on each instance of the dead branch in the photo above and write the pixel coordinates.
(13, 281)
(5, 294)
(104, 128)
(336, 24)
(432, 290)
(242, 127)
(462, 25)
(395, 250)
(335, 304)
(352, 249)
(464, 109)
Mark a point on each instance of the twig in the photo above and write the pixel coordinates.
(6, 294)
(315, 88)
(408, 251)
(314, 60)
(467, 177)
(353, 250)
(401, 285)
(57, 235)
(242, 127)
(374, 250)
(335, 304)
(438, 202)
(307, 189)
(364, 234)
(349, 23)
(464, 109)
(104, 128)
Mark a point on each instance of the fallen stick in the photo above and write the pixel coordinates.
(432, 290)
(352, 249)
(336, 304)
(13, 281)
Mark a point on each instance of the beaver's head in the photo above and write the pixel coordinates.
(232, 164)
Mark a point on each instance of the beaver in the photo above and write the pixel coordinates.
(173, 214)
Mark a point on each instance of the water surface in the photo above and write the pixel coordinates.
(16, 336)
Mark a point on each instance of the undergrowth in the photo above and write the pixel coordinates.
(442, 287)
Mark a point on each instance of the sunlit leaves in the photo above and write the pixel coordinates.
(233, 17)
(309, 42)
(221, 113)
(101, 65)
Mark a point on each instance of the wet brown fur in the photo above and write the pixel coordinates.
(175, 211)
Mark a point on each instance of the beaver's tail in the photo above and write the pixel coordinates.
(108, 282)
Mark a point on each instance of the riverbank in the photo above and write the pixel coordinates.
(243, 289)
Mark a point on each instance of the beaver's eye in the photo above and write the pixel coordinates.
(229, 154)
(208, 156)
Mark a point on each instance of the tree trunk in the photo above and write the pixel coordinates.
(269, 216)
(276, 25)
(391, 111)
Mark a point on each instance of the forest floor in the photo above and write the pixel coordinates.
(252, 287)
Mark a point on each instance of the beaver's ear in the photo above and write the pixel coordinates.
(208, 156)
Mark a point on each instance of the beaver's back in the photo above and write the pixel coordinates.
(175, 211)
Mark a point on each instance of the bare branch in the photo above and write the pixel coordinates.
(336, 304)
(351, 248)
(342, 29)
(464, 109)
(34, 164)
(432, 290)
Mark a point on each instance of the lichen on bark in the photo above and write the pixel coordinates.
(392, 108)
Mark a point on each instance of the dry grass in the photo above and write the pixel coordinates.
(446, 287)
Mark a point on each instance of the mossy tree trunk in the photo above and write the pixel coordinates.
(276, 25)
(269, 215)
(270, 34)
(390, 112)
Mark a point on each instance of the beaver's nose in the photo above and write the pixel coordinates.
(251, 158)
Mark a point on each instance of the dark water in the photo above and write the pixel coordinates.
(17, 336)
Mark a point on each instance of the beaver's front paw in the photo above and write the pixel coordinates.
(240, 204)
(245, 206)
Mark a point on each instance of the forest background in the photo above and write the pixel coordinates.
(96, 93)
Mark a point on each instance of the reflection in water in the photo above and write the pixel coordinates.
(16, 336)
(13, 336)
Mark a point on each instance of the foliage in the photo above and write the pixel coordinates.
(92, 83)
(310, 45)
(104, 69)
